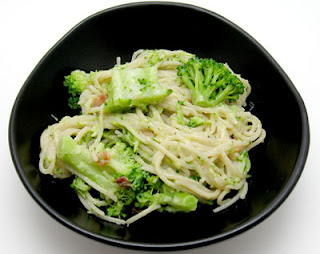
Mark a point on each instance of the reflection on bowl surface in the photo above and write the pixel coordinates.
(94, 44)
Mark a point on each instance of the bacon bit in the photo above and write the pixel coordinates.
(99, 100)
(239, 149)
(234, 137)
(122, 181)
(103, 158)
(146, 132)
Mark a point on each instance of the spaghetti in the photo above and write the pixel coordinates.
(201, 160)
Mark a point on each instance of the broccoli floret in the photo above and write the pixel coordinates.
(144, 199)
(125, 198)
(137, 179)
(193, 121)
(155, 191)
(79, 159)
(122, 159)
(210, 82)
(77, 82)
(80, 186)
(136, 191)
(172, 200)
(197, 121)
(116, 210)
(120, 176)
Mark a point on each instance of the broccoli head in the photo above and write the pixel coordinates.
(197, 121)
(80, 186)
(119, 209)
(77, 82)
(210, 82)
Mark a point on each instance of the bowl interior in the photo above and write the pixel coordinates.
(94, 44)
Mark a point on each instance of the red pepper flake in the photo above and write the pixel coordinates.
(122, 181)
(99, 100)
(103, 158)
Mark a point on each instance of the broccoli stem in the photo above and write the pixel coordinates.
(78, 159)
(177, 201)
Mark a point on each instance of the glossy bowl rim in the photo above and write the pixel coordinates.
(280, 198)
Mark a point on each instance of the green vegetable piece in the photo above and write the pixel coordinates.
(77, 82)
(179, 112)
(122, 158)
(143, 190)
(144, 199)
(130, 139)
(79, 159)
(137, 194)
(134, 88)
(197, 121)
(116, 210)
(137, 179)
(176, 201)
(125, 198)
(245, 162)
(210, 82)
(80, 186)
(170, 200)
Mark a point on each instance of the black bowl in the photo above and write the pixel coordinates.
(94, 44)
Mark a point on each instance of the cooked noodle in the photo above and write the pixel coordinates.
(166, 148)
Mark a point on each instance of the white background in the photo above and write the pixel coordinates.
(290, 32)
